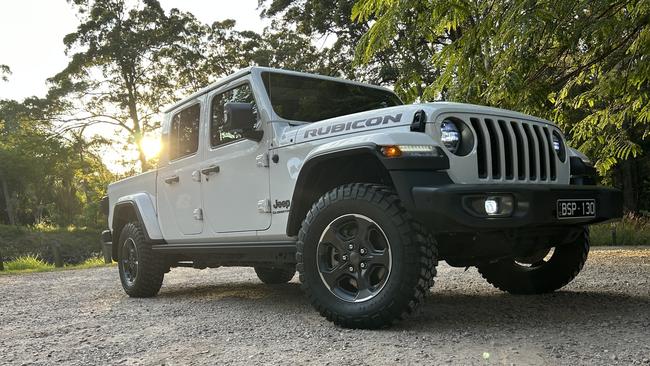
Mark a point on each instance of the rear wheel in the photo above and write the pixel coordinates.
(273, 275)
(542, 272)
(141, 270)
(363, 261)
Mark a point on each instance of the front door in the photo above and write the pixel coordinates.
(179, 181)
(235, 180)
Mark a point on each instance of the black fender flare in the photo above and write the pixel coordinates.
(394, 166)
(122, 210)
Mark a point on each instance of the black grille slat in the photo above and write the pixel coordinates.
(480, 148)
(551, 154)
(507, 144)
(542, 153)
(532, 158)
(521, 151)
(494, 149)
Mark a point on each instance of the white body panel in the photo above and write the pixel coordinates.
(141, 190)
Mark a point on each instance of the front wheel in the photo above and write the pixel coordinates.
(363, 261)
(549, 270)
(141, 270)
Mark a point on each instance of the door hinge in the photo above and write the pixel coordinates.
(264, 205)
(198, 214)
(262, 160)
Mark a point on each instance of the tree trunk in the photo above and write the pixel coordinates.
(8, 205)
(132, 104)
(629, 175)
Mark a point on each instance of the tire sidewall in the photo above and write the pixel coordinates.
(311, 275)
(128, 233)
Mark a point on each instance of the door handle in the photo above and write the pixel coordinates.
(173, 179)
(210, 170)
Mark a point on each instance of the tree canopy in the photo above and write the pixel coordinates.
(582, 64)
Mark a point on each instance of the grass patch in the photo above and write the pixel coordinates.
(75, 244)
(28, 262)
(631, 230)
(32, 263)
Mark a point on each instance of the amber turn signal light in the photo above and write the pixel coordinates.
(391, 151)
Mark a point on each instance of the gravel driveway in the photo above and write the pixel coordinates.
(227, 316)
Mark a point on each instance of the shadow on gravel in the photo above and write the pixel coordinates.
(241, 290)
(564, 309)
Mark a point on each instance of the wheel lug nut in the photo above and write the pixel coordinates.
(351, 269)
(362, 251)
(363, 265)
(345, 257)
(350, 246)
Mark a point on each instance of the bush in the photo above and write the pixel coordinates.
(76, 244)
(630, 230)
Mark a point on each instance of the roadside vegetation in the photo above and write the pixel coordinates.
(36, 249)
(630, 231)
(32, 263)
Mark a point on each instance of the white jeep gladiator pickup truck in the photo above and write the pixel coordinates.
(360, 193)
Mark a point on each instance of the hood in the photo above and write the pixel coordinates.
(386, 118)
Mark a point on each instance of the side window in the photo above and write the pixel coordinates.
(184, 133)
(219, 134)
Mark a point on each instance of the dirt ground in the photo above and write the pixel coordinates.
(227, 316)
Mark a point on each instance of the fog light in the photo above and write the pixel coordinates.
(491, 206)
(497, 205)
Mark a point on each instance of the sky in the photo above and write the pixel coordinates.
(32, 31)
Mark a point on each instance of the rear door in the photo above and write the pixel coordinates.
(179, 181)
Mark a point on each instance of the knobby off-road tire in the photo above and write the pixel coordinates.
(273, 275)
(543, 277)
(399, 257)
(141, 270)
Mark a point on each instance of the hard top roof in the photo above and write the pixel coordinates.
(260, 69)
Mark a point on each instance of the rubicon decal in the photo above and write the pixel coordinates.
(353, 125)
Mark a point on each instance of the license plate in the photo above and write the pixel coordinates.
(578, 208)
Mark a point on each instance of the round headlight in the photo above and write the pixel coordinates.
(450, 135)
(558, 146)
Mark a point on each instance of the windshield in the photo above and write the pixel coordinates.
(307, 99)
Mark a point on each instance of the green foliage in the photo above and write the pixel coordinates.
(45, 177)
(5, 71)
(127, 63)
(76, 244)
(631, 230)
(401, 62)
(92, 262)
(31, 263)
(582, 64)
(27, 262)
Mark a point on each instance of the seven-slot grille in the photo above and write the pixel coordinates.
(509, 150)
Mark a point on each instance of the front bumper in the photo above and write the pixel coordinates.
(442, 208)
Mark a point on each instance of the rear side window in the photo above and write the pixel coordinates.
(184, 133)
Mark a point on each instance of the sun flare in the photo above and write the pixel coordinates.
(150, 146)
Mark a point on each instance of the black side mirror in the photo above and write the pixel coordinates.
(241, 117)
